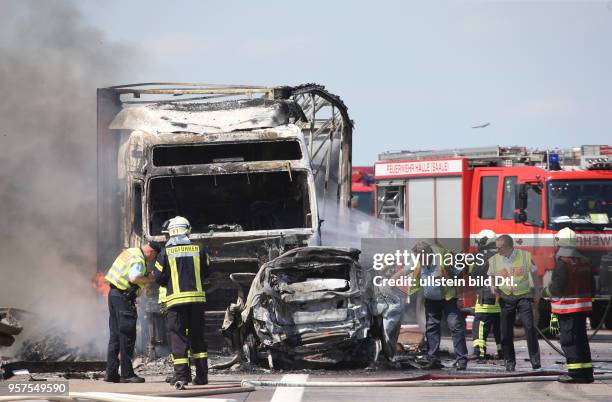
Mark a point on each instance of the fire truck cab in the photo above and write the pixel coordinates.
(451, 195)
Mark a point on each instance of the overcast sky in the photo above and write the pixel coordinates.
(414, 75)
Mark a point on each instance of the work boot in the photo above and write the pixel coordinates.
(568, 379)
(536, 366)
(510, 366)
(111, 378)
(201, 377)
(131, 380)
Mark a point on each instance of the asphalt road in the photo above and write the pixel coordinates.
(528, 391)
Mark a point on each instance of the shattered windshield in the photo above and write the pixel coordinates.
(580, 202)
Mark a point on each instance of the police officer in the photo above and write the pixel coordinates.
(515, 267)
(439, 300)
(184, 266)
(127, 276)
(487, 309)
(570, 292)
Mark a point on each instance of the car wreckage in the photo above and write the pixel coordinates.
(312, 307)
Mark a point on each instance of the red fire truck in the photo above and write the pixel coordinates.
(528, 194)
(362, 189)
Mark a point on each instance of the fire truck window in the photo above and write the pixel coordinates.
(508, 197)
(534, 205)
(488, 197)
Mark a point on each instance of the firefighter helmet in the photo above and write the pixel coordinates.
(164, 228)
(485, 237)
(566, 237)
(179, 226)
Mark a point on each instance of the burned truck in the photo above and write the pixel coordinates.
(248, 166)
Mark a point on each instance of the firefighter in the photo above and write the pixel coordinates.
(487, 309)
(184, 266)
(439, 300)
(126, 277)
(517, 293)
(570, 292)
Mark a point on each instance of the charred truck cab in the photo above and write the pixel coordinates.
(246, 165)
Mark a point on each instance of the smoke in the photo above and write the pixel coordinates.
(51, 63)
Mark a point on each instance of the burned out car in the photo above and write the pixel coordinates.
(311, 306)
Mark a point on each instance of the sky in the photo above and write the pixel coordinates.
(414, 75)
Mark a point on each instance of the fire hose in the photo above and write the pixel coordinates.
(475, 380)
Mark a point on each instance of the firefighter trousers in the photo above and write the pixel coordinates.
(482, 326)
(185, 324)
(575, 344)
(434, 310)
(509, 308)
(122, 326)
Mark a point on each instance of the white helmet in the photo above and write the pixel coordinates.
(179, 226)
(485, 237)
(566, 237)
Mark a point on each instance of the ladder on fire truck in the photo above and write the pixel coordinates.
(508, 156)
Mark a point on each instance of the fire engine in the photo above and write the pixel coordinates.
(362, 189)
(527, 193)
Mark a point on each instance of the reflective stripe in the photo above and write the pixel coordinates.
(174, 275)
(487, 308)
(566, 306)
(202, 355)
(180, 255)
(158, 266)
(577, 366)
(182, 249)
(194, 293)
(478, 342)
(181, 361)
(184, 300)
(196, 265)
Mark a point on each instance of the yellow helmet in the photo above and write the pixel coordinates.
(566, 237)
(485, 237)
(179, 226)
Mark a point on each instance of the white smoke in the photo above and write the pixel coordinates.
(51, 62)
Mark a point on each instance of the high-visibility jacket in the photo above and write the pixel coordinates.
(572, 287)
(183, 270)
(119, 273)
(519, 269)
